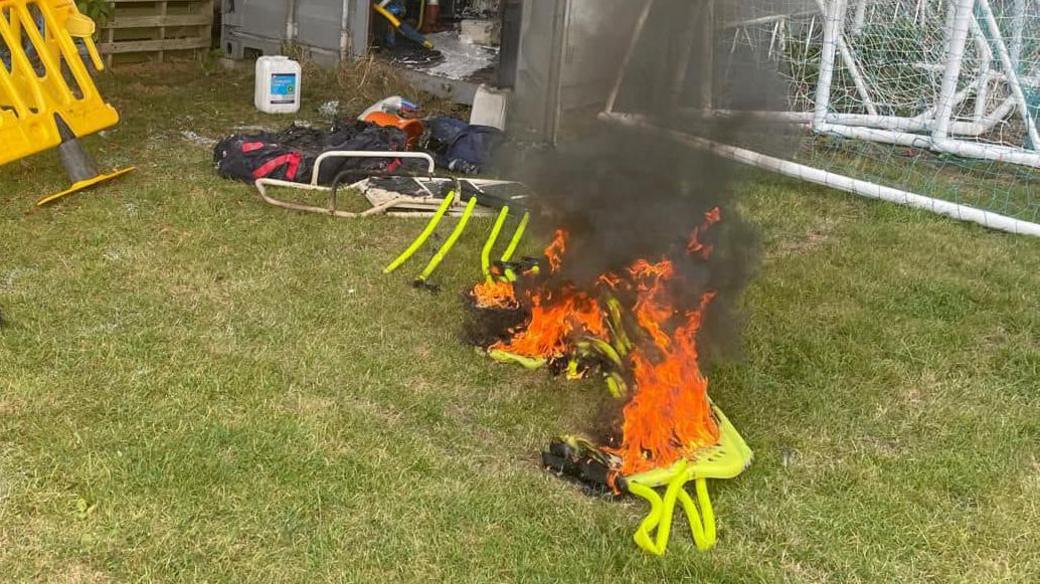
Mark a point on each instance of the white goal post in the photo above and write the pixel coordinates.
(959, 79)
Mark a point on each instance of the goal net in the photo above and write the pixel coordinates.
(933, 103)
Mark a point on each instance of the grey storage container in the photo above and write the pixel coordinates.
(324, 30)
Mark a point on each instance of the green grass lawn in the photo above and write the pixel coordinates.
(198, 387)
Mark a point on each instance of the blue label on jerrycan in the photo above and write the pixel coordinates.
(283, 88)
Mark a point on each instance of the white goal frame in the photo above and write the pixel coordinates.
(933, 129)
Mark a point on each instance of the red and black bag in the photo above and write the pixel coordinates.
(290, 155)
(251, 157)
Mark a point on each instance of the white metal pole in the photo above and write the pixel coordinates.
(985, 60)
(859, 18)
(897, 123)
(1018, 18)
(1010, 73)
(958, 98)
(833, 19)
(556, 71)
(850, 61)
(958, 36)
(951, 16)
(636, 33)
(833, 180)
(857, 77)
(766, 19)
(344, 32)
(290, 21)
(341, 154)
(707, 56)
(682, 68)
(960, 148)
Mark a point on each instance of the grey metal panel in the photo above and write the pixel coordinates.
(360, 17)
(317, 23)
(261, 25)
(598, 32)
(264, 18)
(531, 112)
(252, 25)
(570, 52)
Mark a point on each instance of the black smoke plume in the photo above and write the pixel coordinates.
(625, 195)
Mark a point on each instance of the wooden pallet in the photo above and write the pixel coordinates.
(156, 30)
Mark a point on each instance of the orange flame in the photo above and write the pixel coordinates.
(556, 249)
(670, 414)
(694, 246)
(555, 320)
(494, 293)
(652, 309)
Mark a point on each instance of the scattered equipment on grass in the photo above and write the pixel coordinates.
(47, 97)
(370, 159)
(332, 207)
(411, 196)
(598, 468)
(292, 154)
(438, 257)
(489, 107)
(399, 195)
(396, 112)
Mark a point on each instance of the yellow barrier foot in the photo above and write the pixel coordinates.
(84, 184)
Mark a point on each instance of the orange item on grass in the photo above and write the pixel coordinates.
(412, 128)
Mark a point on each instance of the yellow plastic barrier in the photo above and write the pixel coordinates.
(725, 460)
(45, 76)
(43, 79)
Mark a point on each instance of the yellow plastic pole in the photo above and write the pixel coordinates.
(615, 385)
(395, 22)
(419, 241)
(485, 254)
(450, 242)
(517, 236)
(607, 351)
(507, 357)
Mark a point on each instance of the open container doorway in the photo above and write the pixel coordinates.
(558, 58)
